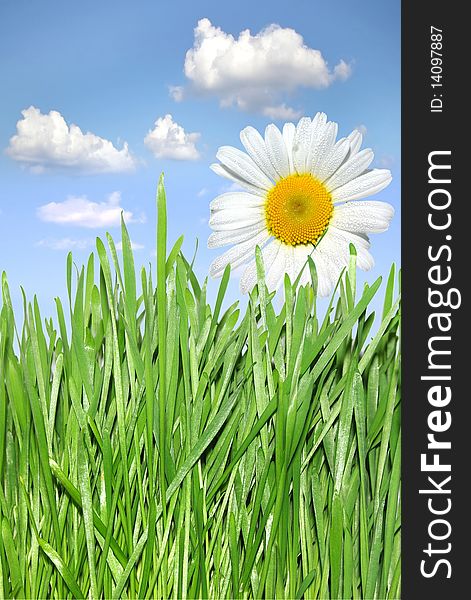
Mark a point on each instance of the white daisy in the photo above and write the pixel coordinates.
(303, 197)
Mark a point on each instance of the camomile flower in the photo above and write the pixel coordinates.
(303, 196)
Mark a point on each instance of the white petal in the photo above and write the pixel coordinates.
(355, 139)
(302, 144)
(319, 128)
(365, 260)
(249, 278)
(335, 246)
(290, 266)
(234, 236)
(363, 216)
(343, 239)
(243, 166)
(228, 174)
(333, 159)
(238, 254)
(299, 263)
(256, 148)
(322, 147)
(364, 257)
(274, 275)
(235, 218)
(320, 118)
(353, 167)
(367, 184)
(277, 150)
(289, 131)
(331, 256)
(236, 200)
(324, 282)
(305, 278)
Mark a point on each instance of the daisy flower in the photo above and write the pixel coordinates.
(303, 196)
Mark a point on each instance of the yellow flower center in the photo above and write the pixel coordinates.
(298, 210)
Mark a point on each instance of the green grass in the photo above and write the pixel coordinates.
(152, 446)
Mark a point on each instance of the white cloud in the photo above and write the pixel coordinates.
(169, 140)
(203, 192)
(253, 72)
(386, 161)
(66, 244)
(134, 246)
(176, 92)
(78, 244)
(82, 212)
(342, 71)
(282, 112)
(45, 141)
(230, 187)
(362, 129)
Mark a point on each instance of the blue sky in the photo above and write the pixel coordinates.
(114, 68)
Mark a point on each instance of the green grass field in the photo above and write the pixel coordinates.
(153, 446)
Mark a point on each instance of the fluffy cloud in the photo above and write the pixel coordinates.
(134, 246)
(282, 112)
(78, 244)
(45, 141)
(203, 192)
(177, 92)
(253, 72)
(82, 212)
(66, 244)
(169, 140)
